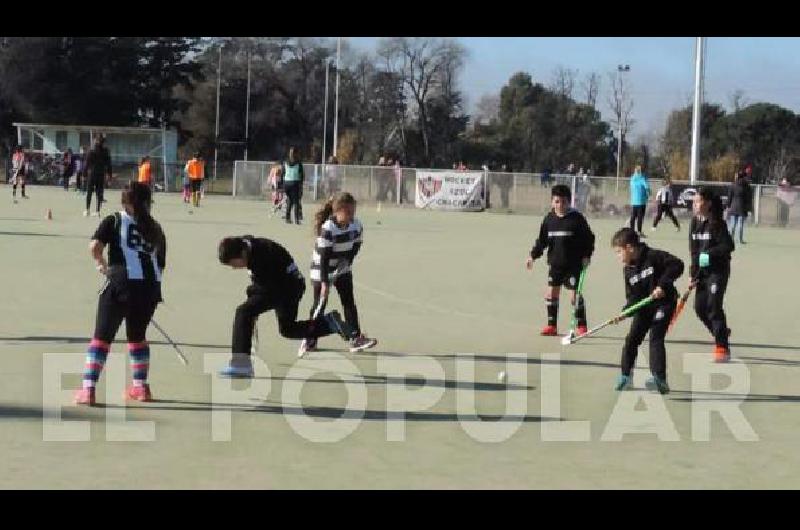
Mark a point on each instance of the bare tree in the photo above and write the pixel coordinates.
(563, 82)
(487, 109)
(590, 87)
(620, 102)
(425, 65)
(738, 100)
(779, 167)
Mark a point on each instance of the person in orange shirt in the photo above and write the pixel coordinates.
(195, 170)
(145, 172)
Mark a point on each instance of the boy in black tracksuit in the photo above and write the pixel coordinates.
(276, 284)
(711, 246)
(570, 243)
(647, 272)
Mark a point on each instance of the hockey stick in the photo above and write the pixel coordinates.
(680, 306)
(632, 309)
(181, 357)
(578, 293)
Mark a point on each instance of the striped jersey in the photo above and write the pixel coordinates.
(665, 196)
(130, 256)
(335, 249)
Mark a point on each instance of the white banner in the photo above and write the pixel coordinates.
(451, 190)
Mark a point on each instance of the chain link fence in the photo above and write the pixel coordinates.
(528, 193)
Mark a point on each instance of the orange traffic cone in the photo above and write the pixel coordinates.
(49, 215)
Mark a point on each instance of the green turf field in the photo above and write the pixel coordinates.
(447, 295)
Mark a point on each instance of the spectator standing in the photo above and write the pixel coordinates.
(640, 192)
(293, 179)
(740, 201)
(786, 196)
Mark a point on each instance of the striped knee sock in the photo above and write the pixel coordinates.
(95, 360)
(140, 361)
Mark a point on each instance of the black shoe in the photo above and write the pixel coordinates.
(288, 221)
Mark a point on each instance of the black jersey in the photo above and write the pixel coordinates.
(271, 266)
(714, 239)
(130, 256)
(568, 239)
(652, 268)
(98, 162)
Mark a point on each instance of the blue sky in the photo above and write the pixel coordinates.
(662, 68)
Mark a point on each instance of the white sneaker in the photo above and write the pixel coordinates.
(362, 343)
(652, 228)
(86, 213)
(95, 214)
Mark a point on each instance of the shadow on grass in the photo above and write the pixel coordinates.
(4, 233)
(710, 343)
(495, 359)
(765, 360)
(341, 413)
(723, 396)
(84, 340)
(412, 381)
(16, 412)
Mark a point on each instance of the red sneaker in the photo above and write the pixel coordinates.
(139, 393)
(85, 396)
(721, 354)
(581, 330)
(549, 331)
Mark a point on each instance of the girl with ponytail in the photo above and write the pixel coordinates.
(711, 246)
(136, 261)
(339, 236)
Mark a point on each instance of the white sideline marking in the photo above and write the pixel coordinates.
(436, 308)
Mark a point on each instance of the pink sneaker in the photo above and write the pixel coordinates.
(85, 396)
(139, 393)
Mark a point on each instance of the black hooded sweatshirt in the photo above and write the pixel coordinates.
(568, 240)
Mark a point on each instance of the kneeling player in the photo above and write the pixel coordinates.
(277, 284)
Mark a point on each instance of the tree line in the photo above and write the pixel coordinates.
(403, 100)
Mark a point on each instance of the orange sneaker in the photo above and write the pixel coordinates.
(139, 393)
(721, 354)
(581, 330)
(549, 331)
(85, 396)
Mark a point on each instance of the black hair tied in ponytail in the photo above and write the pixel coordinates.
(139, 197)
(716, 211)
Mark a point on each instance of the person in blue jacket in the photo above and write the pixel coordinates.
(640, 192)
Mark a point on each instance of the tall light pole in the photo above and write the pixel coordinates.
(620, 70)
(697, 110)
(325, 113)
(336, 105)
(216, 127)
(247, 109)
